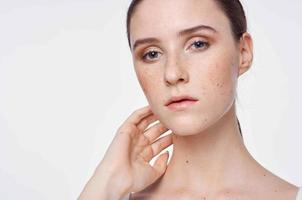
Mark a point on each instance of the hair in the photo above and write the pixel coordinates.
(233, 10)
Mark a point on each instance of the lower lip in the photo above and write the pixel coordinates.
(182, 105)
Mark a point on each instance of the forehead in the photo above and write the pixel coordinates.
(163, 18)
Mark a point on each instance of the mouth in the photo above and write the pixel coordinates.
(179, 103)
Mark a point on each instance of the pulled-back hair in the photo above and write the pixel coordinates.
(233, 9)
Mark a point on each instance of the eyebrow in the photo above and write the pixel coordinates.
(181, 33)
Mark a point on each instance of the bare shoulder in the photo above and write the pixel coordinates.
(267, 186)
(275, 187)
(286, 191)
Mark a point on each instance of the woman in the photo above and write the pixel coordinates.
(188, 56)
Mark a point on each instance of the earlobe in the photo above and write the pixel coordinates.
(246, 53)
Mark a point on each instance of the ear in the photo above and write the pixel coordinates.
(246, 53)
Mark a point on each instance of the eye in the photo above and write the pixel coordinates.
(199, 44)
(150, 54)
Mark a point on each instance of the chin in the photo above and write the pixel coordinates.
(187, 125)
(193, 121)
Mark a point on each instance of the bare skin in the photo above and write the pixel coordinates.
(210, 160)
(125, 167)
(233, 174)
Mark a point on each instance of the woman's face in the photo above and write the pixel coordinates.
(202, 63)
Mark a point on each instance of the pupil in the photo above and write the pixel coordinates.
(153, 54)
(199, 43)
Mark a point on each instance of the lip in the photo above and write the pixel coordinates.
(179, 103)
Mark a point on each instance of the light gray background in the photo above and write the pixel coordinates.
(67, 83)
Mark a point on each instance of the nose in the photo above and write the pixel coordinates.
(175, 72)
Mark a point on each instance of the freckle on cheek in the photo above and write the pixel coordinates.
(220, 85)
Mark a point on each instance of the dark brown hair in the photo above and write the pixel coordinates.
(233, 10)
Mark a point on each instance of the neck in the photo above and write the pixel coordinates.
(215, 158)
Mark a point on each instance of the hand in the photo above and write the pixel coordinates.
(127, 158)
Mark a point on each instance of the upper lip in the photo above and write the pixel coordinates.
(179, 98)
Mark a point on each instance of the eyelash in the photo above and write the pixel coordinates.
(206, 45)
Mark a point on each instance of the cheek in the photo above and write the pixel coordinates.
(147, 82)
(214, 74)
(142, 78)
(150, 84)
(222, 76)
(143, 83)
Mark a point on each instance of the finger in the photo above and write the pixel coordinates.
(160, 165)
(161, 144)
(143, 124)
(154, 149)
(147, 153)
(138, 115)
(155, 131)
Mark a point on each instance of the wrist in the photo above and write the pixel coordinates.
(104, 185)
(115, 186)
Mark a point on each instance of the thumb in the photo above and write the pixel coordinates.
(160, 164)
